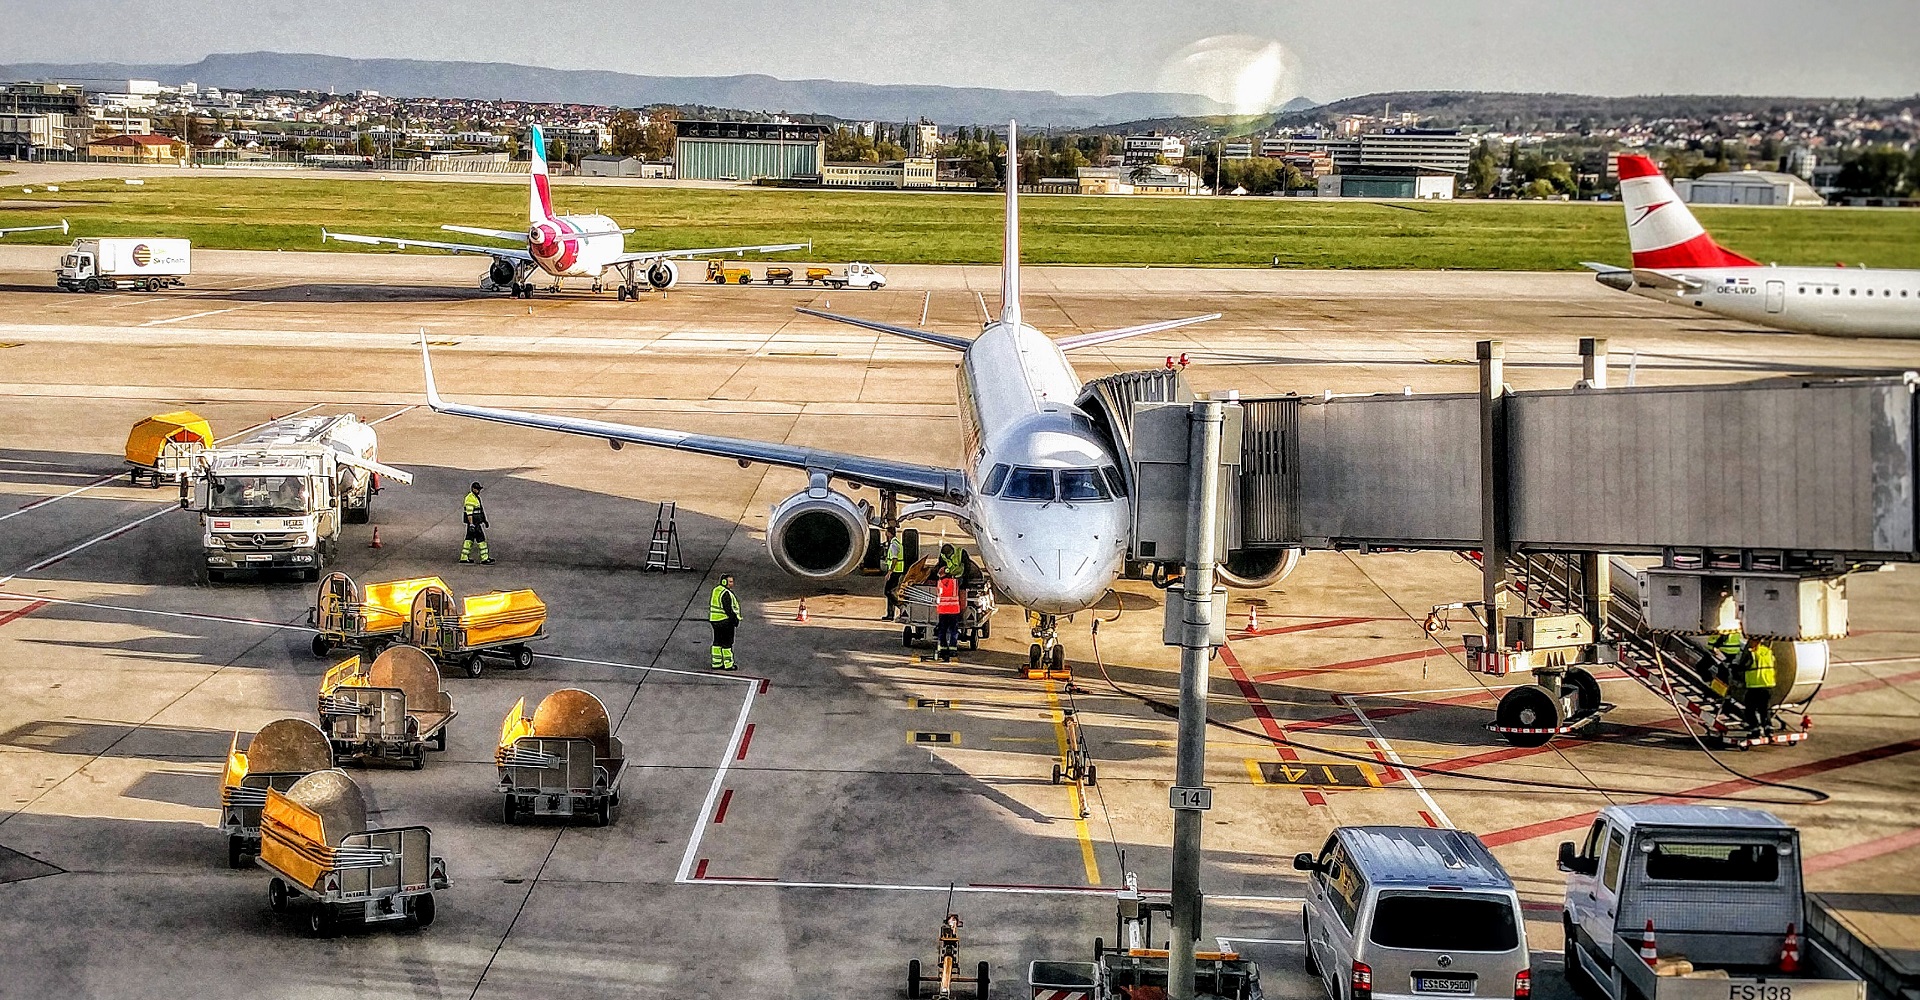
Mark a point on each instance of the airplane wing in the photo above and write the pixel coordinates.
(629, 258)
(951, 343)
(505, 252)
(34, 229)
(929, 481)
(1108, 336)
(514, 235)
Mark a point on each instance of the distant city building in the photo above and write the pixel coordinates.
(923, 139)
(581, 138)
(1420, 183)
(1238, 149)
(1747, 187)
(1343, 154)
(189, 89)
(1151, 147)
(1433, 149)
(912, 172)
(866, 130)
(1145, 179)
(1801, 162)
(608, 165)
(747, 151)
(143, 88)
(138, 147)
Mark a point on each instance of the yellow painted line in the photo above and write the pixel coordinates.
(1253, 771)
(1073, 790)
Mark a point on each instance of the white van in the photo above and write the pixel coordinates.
(1409, 912)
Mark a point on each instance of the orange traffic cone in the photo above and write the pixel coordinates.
(1790, 950)
(1253, 618)
(801, 615)
(375, 544)
(1649, 951)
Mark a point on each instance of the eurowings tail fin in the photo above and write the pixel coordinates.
(1010, 241)
(1660, 230)
(539, 194)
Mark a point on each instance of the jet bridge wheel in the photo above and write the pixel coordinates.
(1585, 691)
(1531, 708)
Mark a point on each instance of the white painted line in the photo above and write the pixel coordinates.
(89, 543)
(1440, 814)
(390, 416)
(189, 615)
(713, 791)
(1000, 890)
(1222, 941)
(707, 674)
(1410, 692)
(177, 319)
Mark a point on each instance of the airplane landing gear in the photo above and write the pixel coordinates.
(598, 286)
(1046, 658)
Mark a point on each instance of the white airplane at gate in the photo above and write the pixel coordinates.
(1041, 490)
(563, 246)
(1675, 260)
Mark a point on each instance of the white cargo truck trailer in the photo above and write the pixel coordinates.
(277, 498)
(117, 263)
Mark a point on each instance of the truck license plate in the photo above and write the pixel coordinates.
(1443, 984)
(258, 558)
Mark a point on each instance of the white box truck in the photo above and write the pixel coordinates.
(120, 263)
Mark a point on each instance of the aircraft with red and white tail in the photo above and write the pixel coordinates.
(564, 246)
(1675, 260)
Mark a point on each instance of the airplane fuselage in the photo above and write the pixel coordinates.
(1834, 301)
(569, 246)
(1047, 504)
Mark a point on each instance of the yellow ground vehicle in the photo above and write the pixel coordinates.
(783, 275)
(563, 761)
(370, 619)
(720, 273)
(174, 437)
(815, 274)
(282, 752)
(314, 839)
(459, 632)
(390, 708)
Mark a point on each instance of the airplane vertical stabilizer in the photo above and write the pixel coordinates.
(1010, 242)
(539, 196)
(1660, 230)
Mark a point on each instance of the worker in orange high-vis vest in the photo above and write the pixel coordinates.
(946, 603)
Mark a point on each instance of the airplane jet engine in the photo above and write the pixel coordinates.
(500, 275)
(663, 275)
(1256, 569)
(818, 534)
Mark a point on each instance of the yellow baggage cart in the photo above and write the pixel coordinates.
(562, 761)
(369, 619)
(161, 447)
(325, 860)
(458, 632)
(391, 708)
(281, 753)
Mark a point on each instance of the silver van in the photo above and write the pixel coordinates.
(1407, 911)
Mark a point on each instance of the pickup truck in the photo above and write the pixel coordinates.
(1718, 891)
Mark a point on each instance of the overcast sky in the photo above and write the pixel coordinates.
(1328, 48)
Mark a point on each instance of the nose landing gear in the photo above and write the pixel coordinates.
(1046, 658)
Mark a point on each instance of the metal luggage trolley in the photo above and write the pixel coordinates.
(459, 632)
(368, 620)
(314, 839)
(976, 613)
(282, 752)
(1078, 767)
(390, 709)
(564, 761)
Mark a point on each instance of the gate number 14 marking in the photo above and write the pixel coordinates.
(1193, 799)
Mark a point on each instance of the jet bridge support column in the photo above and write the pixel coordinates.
(1196, 648)
(1495, 514)
(1595, 573)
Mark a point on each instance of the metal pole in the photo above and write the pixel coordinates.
(1594, 566)
(1196, 647)
(1493, 483)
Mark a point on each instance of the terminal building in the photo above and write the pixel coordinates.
(1426, 148)
(1422, 183)
(1152, 148)
(912, 172)
(748, 151)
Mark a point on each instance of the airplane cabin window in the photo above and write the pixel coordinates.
(1082, 485)
(995, 479)
(1029, 484)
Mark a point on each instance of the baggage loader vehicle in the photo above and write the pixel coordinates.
(459, 632)
(563, 761)
(389, 709)
(326, 861)
(368, 619)
(920, 599)
(282, 752)
(161, 447)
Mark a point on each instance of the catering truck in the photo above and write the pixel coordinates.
(1684, 902)
(118, 263)
(277, 498)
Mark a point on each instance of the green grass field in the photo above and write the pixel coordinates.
(286, 213)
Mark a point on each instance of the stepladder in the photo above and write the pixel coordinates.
(663, 549)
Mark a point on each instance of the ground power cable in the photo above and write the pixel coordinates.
(1666, 683)
(1173, 711)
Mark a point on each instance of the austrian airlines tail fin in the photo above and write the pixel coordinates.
(539, 195)
(1010, 242)
(1660, 230)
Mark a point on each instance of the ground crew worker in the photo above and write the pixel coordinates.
(946, 633)
(953, 559)
(476, 518)
(1759, 679)
(723, 613)
(1731, 648)
(896, 560)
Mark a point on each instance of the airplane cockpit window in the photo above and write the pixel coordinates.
(1029, 484)
(1077, 485)
(1115, 480)
(995, 479)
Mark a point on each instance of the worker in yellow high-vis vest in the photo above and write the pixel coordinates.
(475, 517)
(896, 560)
(1759, 680)
(723, 613)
